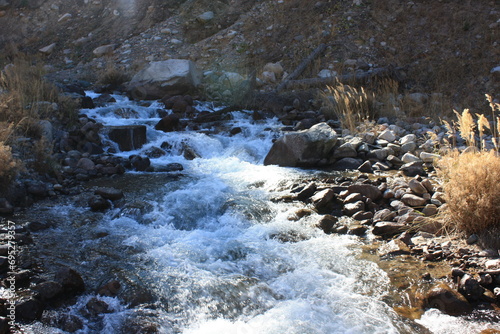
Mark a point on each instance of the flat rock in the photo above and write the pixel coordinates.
(387, 229)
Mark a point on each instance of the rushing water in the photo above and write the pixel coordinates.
(209, 252)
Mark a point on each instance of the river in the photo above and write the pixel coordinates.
(206, 250)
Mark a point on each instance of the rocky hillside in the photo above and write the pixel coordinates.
(448, 49)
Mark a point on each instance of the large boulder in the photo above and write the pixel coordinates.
(306, 148)
(168, 77)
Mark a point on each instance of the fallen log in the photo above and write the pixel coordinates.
(358, 78)
(302, 66)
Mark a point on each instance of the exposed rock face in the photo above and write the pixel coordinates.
(169, 77)
(304, 148)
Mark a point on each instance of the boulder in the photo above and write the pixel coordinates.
(387, 135)
(367, 190)
(366, 167)
(429, 157)
(417, 187)
(128, 137)
(322, 198)
(307, 191)
(70, 280)
(306, 148)
(347, 164)
(48, 290)
(104, 50)
(168, 123)
(352, 208)
(168, 77)
(394, 247)
(388, 228)
(29, 309)
(413, 168)
(327, 222)
(447, 300)
(99, 203)
(346, 150)
(413, 200)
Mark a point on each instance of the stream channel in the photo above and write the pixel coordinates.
(205, 250)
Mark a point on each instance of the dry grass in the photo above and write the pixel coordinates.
(466, 126)
(26, 98)
(25, 87)
(351, 106)
(471, 178)
(471, 185)
(113, 75)
(9, 166)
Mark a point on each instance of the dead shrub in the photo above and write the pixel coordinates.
(471, 186)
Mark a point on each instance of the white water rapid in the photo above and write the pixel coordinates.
(216, 254)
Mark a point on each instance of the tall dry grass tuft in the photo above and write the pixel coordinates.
(466, 126)
(349, 105)
(471, 185)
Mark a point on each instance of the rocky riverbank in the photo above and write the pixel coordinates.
(390, 198)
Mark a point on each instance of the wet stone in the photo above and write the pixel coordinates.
(99, 203)
(327, 222)
(112, 194)
(95, 307)
(413, 200)
(352, 208)
(447, 300)
(70, 280)
(385, 228)
(48, 290)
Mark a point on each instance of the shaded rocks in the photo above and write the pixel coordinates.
(70, 280)
(169, 77)
(112, 194)
(169, 123)
(29, 309)
(102, 198)
(84, 138)
(180, 104)
(304, 148)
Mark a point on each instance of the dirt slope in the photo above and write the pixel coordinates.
(447, 47)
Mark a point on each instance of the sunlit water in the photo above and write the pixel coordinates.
(215, 253)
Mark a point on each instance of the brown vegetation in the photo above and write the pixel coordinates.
(471, 178)
(471, 185)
